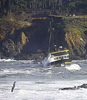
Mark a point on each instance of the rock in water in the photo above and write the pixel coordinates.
(13, 86)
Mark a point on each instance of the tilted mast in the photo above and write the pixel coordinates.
(50, 30)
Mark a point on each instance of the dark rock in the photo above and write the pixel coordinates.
(75, 87)
(69, 88)
(82, 86)
(8, 48)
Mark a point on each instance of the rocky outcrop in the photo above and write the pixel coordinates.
(23, 38)
(12, 37)
(8, 48)
(75, 42)
(75, 36)
(75, 87)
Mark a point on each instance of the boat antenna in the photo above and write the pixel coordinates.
(50, 30)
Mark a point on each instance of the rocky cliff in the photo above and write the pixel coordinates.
(27, 38)
(76, 36)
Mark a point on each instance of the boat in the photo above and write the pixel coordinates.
(56, 56)
(59, 58)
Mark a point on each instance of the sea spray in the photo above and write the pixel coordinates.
(73, 67)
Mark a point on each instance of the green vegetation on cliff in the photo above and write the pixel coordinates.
(76, 35)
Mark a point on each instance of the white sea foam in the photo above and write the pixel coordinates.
(6, 60)
(73, 67)
(26, 61)
(26, 90)
(42, 83)
(15, 71)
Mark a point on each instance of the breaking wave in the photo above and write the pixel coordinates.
(73, 67)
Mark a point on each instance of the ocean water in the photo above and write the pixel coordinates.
(34, 82)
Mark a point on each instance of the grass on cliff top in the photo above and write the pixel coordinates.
(74, 17)
(76, 24)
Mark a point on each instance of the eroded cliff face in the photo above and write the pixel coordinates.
(12, 37)
(25, 40)
(76, 37)
(75, 43)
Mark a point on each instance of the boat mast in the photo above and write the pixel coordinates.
(50, 30)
